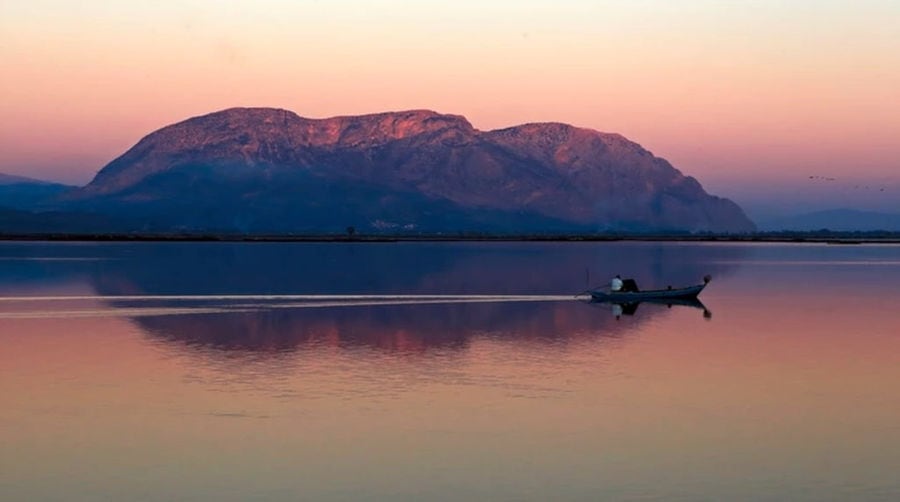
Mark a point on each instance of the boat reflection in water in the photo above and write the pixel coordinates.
(630, 308)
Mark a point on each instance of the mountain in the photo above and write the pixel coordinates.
(841, 220)
(18, 192)
(270, 170)
(9, 179)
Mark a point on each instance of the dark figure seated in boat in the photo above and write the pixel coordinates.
(619, 285)
(629, 286)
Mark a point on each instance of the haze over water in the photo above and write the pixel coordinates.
(198, 371)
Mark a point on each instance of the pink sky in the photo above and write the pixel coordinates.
(739, 94)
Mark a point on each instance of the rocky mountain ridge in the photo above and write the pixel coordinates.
(265, 169)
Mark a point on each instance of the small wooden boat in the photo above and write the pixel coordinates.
(687, 293)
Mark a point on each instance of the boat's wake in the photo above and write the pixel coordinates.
(220, 304)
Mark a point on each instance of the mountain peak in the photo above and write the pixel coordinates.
(396, 124)
(378, 128)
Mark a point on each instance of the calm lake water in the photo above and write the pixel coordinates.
(205, 371)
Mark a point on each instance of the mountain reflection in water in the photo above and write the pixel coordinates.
(404, 268)
(405, 328)
(501, 268)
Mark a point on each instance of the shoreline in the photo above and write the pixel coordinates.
(846, 238)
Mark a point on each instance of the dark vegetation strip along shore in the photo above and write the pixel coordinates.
(817, 236)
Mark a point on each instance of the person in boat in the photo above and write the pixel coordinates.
(629, 286)
(616, 284)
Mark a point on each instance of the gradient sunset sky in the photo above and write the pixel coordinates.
(751, 97)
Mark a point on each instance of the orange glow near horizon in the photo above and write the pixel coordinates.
(725, 91)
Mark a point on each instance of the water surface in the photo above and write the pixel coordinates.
(440, 371)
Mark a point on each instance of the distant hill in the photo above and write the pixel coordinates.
(9, 179)
(18, 192)
(836, 220)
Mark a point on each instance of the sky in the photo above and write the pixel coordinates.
(750, 97)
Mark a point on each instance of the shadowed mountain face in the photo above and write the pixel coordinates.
(270, 170)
